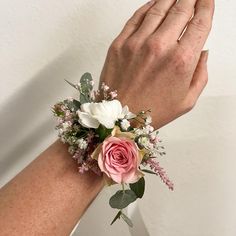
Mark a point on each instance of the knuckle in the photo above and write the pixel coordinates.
(138, 13)
(115, 47)
(201, 24)
(178, 10)
(189, 105)
(155, 46)
(157, 12)
(182, 61)
(131, 46)
(134, 20)
(206, 5)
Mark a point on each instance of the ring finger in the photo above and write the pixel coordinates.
(176, 20)
(153, 18)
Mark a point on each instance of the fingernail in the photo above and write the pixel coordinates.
(206, 55)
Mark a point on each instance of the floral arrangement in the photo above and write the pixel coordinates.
(108, 139)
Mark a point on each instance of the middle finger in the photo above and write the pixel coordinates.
(176, 20)
(154, 18)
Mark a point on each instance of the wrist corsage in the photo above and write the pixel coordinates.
(111, 141)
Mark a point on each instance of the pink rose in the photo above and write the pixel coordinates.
(120, 158)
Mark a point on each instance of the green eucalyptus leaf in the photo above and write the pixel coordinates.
(77, 104)
(73, 105)
(122, 199)
(103, 132)
(148, 171)
(127, 219)
(138, 187)
(85, 87)
(116, 217)
(86, 79)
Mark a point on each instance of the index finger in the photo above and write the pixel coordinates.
(199, 26)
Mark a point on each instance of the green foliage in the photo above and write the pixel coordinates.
(116, 217)
(103, 132)
(122, 199)
(85, 88)
(138, 187)
(119, 215)
(73, 105)
(148, 171)
(58, 113)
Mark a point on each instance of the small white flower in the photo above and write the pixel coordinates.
(66, 125)
(149, 128)
(145, 131)
(154, 153)
(67, 113)
(104, 87)
(60, 131)
(113, 94)
(82, 144)
(91, 83)
(106, 113)
(143, 141)
(63, 140)
(71, 150)
(125, 124)
(153, 136)
(148, 120)
(126, 114)
(138, 132)
(141, 131)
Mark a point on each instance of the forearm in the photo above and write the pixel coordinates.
(48, 197)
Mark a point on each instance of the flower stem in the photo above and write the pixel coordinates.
(123, 187)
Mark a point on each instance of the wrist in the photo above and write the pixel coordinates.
(70, 167)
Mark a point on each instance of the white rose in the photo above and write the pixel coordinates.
(91, 115)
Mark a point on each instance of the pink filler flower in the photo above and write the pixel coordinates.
(120, 158)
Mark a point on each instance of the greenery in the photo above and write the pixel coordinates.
(103, 132)
(138, 187)
(85, 87)
(73, 105)
(149, 171)
(119, 215)
(116, 217)
(122, 199)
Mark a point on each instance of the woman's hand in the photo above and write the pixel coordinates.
(152, 66)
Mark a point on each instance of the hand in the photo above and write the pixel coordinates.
(153, 67)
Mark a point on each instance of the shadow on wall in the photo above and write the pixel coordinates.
(26, 118)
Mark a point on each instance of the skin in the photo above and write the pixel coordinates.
(159, 69)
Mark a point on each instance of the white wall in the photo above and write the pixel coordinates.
(43, 42)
